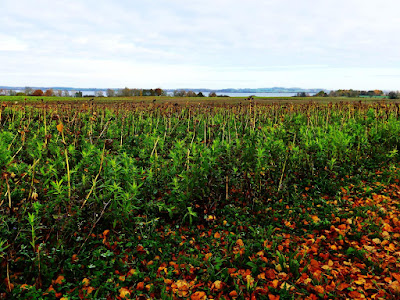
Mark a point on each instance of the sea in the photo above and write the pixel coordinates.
(245, 95)
(257, 94)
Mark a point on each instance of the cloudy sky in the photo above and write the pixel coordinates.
(328, 44)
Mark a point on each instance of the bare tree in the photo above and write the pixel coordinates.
(126, 92)
(179, 93)
(28, 90)
(191, 94)
(110, 93)
(49, 93)
(99, 94)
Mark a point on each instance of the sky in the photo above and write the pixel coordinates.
(200, 44)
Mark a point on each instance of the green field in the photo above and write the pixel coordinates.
(199, 198)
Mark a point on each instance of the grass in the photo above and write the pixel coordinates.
(260, 200)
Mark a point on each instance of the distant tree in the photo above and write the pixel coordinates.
(20, 94)
(378, 93)
(150, 92)
(2, 92)
(78, 94)
(393, 95)
(11, 93)
(302, 94)
(200, 94)
(28, 90)
(38, 93)
(58, 93)
(65, 93)
(99, 94)
(110, 93)
(158, 92)
(137, 92)
(191, 94)
(49, 93)
(212, 94)
(321, 94)
(179, 93)
(125, 92)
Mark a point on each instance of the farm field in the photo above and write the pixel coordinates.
(192, 100)
(199, 199)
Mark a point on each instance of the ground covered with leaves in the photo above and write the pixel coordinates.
(148, 202)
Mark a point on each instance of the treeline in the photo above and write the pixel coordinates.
(37, 92)
(346, 93)
(125, 92)
(355, 93)
(184, 93)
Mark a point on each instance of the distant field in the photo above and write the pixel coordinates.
(182, 100)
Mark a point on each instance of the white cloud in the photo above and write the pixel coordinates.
(200, 43)
(10, 43)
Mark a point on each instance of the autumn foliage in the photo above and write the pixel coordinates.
(37, 93)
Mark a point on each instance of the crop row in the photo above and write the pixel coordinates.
(65, 167)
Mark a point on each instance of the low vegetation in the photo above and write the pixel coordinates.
(203, 201)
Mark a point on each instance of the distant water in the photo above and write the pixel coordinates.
(245, 95)
(258, 94)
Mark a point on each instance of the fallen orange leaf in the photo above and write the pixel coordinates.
(273, 297)
(396, 276)
(60, 127)
(140, 286)
(198, 296)
(207, 256)
(233, 294)
(123, 292)
(355, 294)
(270, 274)
(74, 258)
(89, 289)
(315, 218)
(342, 286)
(395, 286)
(275, 284)
(85, 282)
(59, 279)
(319, 289)
(217, 285)
(240, 243)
